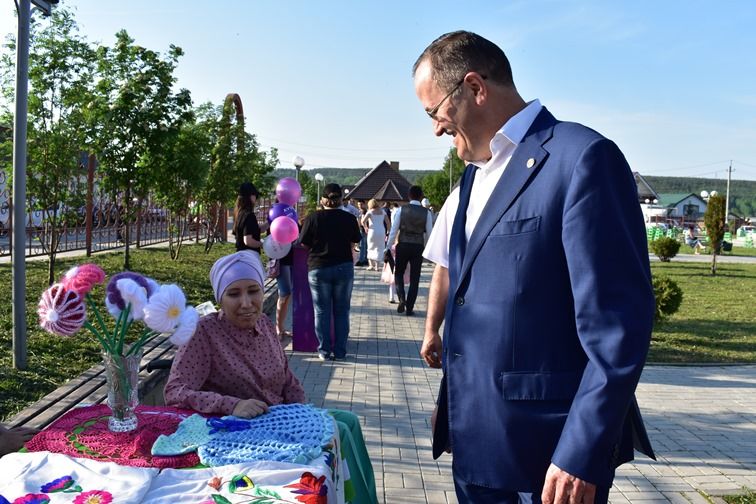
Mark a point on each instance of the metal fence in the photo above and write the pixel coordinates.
(106, 230)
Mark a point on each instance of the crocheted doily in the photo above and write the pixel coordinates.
(83, 432)
(287, 433)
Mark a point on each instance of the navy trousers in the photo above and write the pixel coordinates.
(467, 493)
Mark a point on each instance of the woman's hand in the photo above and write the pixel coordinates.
(249, 408)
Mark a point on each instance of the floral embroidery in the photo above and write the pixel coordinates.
(94, 497)
(311, 490)
(64, 484)
(240, 482)
(3, 500)
(32, 499)
(215, 483)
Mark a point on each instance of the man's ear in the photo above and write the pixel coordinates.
(477, 85)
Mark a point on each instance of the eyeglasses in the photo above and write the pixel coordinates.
(432, 112)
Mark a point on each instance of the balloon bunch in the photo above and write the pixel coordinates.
(282, 217)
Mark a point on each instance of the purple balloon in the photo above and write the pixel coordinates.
(281, 209)
(288, 191)
(284, 230)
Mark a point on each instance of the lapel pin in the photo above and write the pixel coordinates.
(530, 163)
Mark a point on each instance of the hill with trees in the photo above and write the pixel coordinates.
(742, 192)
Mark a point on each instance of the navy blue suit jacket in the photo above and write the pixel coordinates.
(549, 317)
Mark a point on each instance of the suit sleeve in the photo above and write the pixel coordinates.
(605, 246)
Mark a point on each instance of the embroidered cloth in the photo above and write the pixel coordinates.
(83, 432)
(51, 477)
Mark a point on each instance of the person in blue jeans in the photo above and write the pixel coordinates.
(330, 235)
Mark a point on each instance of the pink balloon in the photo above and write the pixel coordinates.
(288, 191)
(284, 230)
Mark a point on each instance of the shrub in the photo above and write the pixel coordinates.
(665, 248)
(668, 297)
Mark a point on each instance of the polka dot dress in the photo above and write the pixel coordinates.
(223, 364)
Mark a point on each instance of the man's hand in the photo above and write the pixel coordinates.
(564, 488)
(431, 349)
(250, 408)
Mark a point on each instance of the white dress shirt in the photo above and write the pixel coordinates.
(396, 219)
(503, 145)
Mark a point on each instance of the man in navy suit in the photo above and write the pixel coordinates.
(543, 284)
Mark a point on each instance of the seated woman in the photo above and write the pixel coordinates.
(692, 240)
(234, 364)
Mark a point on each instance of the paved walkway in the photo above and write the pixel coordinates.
(702, 420)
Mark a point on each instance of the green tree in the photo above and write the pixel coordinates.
(236, 158)
(61, 70)
(436, 185)
(134, 111)
(714, 218)
(182, 167)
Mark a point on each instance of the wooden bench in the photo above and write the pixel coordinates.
(91, 386)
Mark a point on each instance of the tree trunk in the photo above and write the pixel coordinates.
(127, 231)
(714, 262)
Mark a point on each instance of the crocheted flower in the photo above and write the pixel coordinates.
(128, 287)
(94, 497)
(61, 311)
(81, 279)
(240, 482)
(186, 327)
(165, 308)
(64, 484)
(32, 499)
(312, 490)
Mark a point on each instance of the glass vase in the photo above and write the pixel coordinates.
(122, 373)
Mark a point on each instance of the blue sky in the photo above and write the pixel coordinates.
(673, 82)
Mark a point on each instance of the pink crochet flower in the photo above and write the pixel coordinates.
(94, 497)
(81, 279)
(61, 311)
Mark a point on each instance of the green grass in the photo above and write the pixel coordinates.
(53, 359)
(716, 321)
(749, 497)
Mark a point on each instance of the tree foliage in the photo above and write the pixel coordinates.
(436, 185)
(61, 70)
(133, 113)
(714, 219)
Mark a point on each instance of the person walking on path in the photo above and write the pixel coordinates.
(412, 224)
(545, 296)
(329, 235)
(376, 221)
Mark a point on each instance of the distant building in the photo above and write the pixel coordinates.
(384, 183)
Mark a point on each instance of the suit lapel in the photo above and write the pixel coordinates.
(525, 163)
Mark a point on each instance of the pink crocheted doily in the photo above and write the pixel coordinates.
(83, 432)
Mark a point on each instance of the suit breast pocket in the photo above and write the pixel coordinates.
(516, 227)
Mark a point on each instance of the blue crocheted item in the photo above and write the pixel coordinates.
(192, 433)
(287, 433)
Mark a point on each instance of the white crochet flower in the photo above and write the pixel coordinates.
(186, 327)
(165, 308)
(133, 293)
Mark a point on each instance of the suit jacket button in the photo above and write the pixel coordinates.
(460, 300)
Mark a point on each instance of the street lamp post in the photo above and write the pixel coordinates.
(18, 288)
(298, 164)
(318, 179)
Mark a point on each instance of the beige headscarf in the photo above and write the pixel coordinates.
(243, 265)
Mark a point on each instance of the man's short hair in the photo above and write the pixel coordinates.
(454, 54)
(415, 192)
